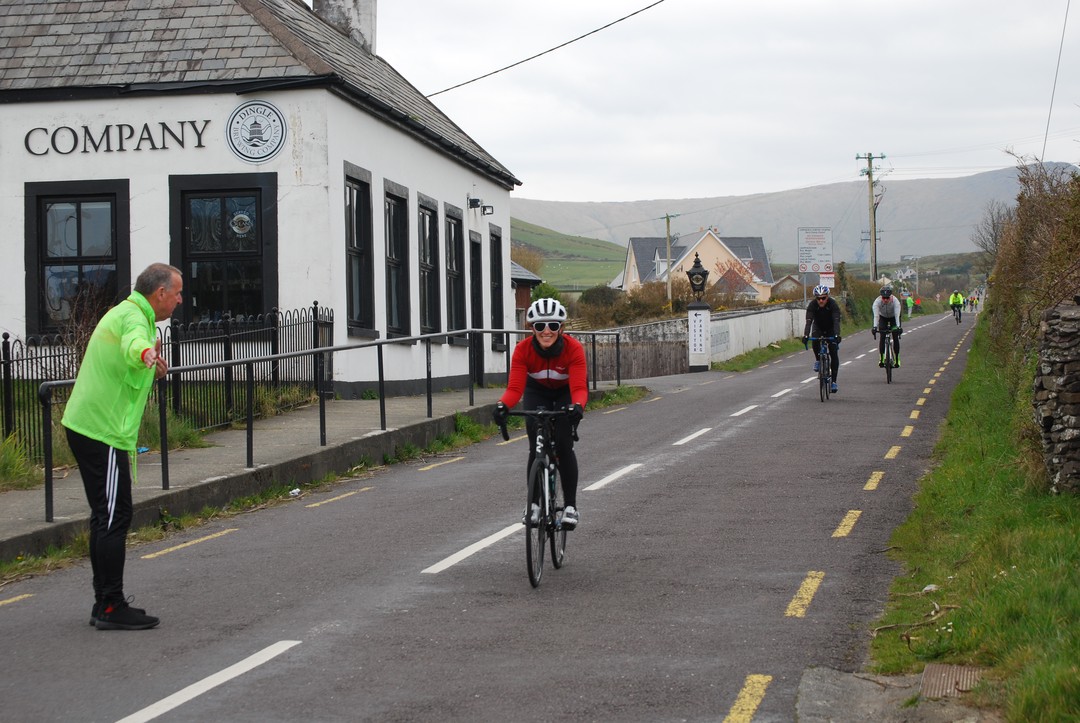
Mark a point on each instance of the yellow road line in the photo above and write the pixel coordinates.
(654, 399)
(907, 431)
(167, 550)
(798, 605)
(932, 381)
(513, 439)
(433, 465)
(893, 451)
(616, 409)
(15, 599)
(750, 697)
(922, 401)
(926, 391)
(914, 414)
(847, 523)
(872, 483)
(339, 497)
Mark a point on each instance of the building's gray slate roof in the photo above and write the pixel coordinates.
(99, 48)
(751, 251)
(519, 273)
(646, 250)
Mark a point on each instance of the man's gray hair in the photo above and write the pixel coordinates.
(154, 277)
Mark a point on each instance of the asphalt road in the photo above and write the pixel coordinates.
(734, 533)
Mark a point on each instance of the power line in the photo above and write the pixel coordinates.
(1057, 68)
(550, 50)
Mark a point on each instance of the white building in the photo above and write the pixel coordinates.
(269, 154)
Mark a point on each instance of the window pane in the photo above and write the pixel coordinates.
(204, 215)
(244, 289)
(205, 286)
(61, 287)
(61, 230)
(97, 228)
(240, 213)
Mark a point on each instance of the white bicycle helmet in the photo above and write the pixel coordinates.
(821, 291)
(546, 310)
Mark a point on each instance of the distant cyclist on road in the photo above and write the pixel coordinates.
(956, 301)
(823, 318)
(886, 316)
(548, 369)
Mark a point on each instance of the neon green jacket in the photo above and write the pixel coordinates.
(110, 391)
(956, 299)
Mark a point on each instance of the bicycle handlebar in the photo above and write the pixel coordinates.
(539, 414)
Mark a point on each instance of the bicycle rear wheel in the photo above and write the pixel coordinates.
(535, 532)
(556, 531)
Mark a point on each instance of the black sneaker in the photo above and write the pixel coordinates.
(121, 616)
(97, 607)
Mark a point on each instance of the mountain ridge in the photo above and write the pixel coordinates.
(914, 217)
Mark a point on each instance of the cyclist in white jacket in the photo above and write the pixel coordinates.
(886, 315)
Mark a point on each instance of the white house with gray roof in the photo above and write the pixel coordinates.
(267, 152)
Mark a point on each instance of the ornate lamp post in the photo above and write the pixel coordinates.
(699, 323)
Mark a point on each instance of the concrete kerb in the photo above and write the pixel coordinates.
(193, 496)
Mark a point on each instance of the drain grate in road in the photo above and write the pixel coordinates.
(948, 681)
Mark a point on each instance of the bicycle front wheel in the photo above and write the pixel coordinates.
(888, 368)
(535, 532)
(556, 531)
(823, 379)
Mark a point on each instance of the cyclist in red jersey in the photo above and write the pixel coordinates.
(548, 371)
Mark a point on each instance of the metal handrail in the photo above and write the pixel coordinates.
(473, 335)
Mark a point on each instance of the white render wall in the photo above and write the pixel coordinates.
(324, 132)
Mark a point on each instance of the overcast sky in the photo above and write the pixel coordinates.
(701, 98)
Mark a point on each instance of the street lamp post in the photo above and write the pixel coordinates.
(699, 322)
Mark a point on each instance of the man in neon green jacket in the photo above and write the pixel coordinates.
(122, 360)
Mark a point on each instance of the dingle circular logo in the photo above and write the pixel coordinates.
(256, 131)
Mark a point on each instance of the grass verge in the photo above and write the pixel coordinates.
(993, 564)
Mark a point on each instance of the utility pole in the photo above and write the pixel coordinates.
(870, 157)
(667, 218)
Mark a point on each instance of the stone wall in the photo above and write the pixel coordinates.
(1057, 395)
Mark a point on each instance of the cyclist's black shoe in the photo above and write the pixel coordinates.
(96, 610)
(121, 616)
(896, 362)
(570, 518)
(817, 366)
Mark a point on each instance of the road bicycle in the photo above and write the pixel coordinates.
(544, 502)
(890, 362)
(956, 312)
(824, 363)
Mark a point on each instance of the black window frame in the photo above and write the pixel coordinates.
(427, 262)
(264, 186)
(496, 285)
(117, 191)
(359, 254)
(396, 248)
(456, 288)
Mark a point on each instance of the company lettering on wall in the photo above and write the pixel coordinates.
(115, 138)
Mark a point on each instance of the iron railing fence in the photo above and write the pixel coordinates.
(207, 398)
(321, 359)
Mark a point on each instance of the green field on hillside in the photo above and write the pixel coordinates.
(569, 261)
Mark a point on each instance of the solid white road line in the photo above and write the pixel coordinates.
(196, 689)
(472, 549)
(692, 437)
(612, 477)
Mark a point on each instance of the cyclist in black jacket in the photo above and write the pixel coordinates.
(823, 318)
